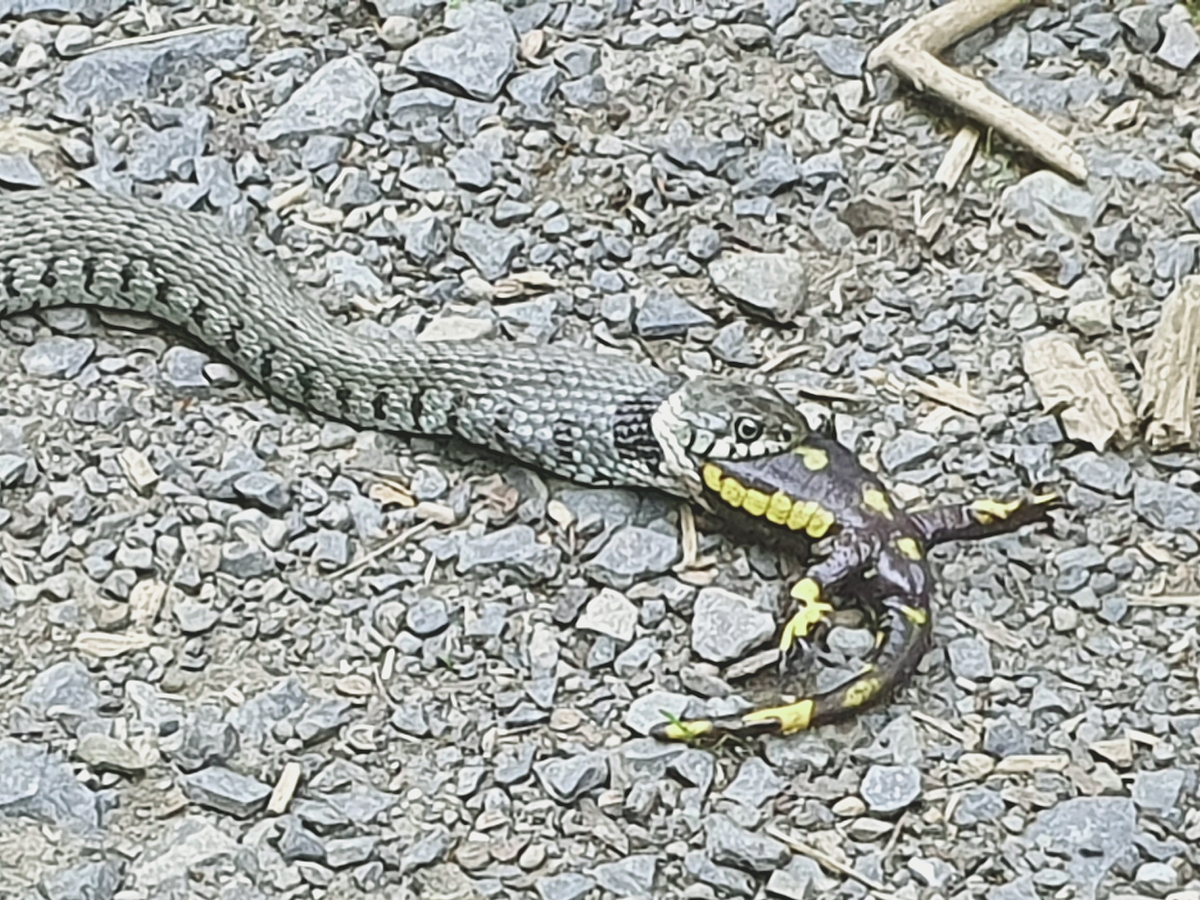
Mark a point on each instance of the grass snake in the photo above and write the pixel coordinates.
(592, 418)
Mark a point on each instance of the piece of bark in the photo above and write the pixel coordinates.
(962, 148)
(1081, 390)
(910, 53)
(1172, 367)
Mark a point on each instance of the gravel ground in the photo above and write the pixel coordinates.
(213, 685)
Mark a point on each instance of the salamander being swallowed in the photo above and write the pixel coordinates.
(876, 555)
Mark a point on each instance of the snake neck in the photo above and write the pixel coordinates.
(575, 414)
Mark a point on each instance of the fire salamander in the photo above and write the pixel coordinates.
(877, 555)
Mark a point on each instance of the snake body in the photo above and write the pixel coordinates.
(595, 419)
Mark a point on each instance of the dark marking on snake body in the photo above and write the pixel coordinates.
(632, 435)
(89, 275)
(10, 284)
(416, 406)
(128, 273)
(343, 399)
(379, 405)
(49, 278)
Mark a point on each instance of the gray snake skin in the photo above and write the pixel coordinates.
(595, 419)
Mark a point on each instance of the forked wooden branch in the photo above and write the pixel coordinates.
(911, 54)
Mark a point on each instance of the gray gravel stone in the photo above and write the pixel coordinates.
(490, 249)
(57, 357)
(1107, 473)
(908, 449)
(970, 658)
(226, 791)
(18, 170)
(889, 789)
(99, 880)
(978, 805)
(771, 284)
(1166, 506)
(516, 547)
(477, 58)
(632, 876)
(35, 784)
(427, 616)
(725, 878)
(842, 56)
(1160, 791)
(632, 554)
(611, 614)
(1091, 833)
(663, 313)
(265, 490)
(100, 80)
(67, 687)
(178, 847)
(1180, 44)
(339, 97)
(754, 784)
(566, 780)
(567, 886)
(725, 626)
(1047, 203)
(730, 845)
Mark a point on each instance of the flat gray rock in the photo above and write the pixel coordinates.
(100, 80)
(339, 97)
(475, 59)
(771, 284)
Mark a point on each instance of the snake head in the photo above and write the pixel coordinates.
(711, 419)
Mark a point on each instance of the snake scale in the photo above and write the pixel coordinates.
(592, 418)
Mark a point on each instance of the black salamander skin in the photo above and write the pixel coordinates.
(876, 555)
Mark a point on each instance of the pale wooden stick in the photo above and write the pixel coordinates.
(910, 54)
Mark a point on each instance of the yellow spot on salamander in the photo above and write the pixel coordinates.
(712, 477)
(800, 514)
(914, 615)
(875, 500)
(909, 547)
(987, 510)
(812, 610)
(733, 492)
(755, 502)
(687, 731)
(779, 508)
(814, 459)
(791, 718)
(860, 692)
(822, 520)
(806, 591)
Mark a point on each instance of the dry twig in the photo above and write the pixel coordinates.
(910, 53)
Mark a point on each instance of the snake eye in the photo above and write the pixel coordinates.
(747, 430)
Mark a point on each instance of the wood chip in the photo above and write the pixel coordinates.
(949, 393)
(435, 512)
(1027, 764)
(560, 514)
(390, 494)
(958, 157)
(1081, 390)
(137, 469)
(104, 645)
(354, 686)
(145, 602)
(1039, 285)
(285, 788)
(1119, 751)
(1172, 367)
(996, 632)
